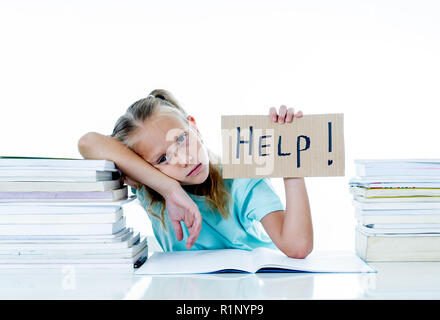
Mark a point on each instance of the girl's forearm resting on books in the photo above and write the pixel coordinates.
(291, 230)
(97, 146)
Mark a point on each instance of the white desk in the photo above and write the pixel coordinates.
(409, 280)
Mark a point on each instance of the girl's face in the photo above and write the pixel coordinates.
(173, 146)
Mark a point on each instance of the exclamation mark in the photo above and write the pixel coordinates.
(330, 141)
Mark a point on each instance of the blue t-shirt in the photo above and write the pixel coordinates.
(251, 200)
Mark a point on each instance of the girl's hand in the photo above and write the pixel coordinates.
(181, 207)
(286, 115)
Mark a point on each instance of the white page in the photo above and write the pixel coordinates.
(196, 261)
(324, 261)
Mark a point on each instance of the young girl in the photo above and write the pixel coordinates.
(178, 181)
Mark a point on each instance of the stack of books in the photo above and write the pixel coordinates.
(397, 207)
(56, 212)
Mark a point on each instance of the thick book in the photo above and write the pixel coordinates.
(58, 174)
(56, 209)
(56, 186)
(396, 182)
(408, 247)
(412, 199)
(415, 216)
(100, 165)
(257, 260)
(62, 229)
(70, 250)
(62, 218)
(378, 192)
(101, 262)
(410, 205)
(398, 167)
(110, 195)
(123, 239)
(66, 203)
(400, 228)
(79, 238)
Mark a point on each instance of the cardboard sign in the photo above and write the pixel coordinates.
(310, 146)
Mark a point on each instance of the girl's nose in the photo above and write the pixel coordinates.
(183, 160)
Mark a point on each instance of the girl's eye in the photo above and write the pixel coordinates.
(160, 159)
(181, 138)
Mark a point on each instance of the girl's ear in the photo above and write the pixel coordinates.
(191, 119)
(192, 123)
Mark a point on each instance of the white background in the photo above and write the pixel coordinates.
(69, 67)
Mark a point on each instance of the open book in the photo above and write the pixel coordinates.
(258, 260)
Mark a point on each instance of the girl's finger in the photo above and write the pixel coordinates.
(194, 228)
(299, 114)
(194, 232)
(283, 112)
(290, 114)
(188, 220)
(177, 229)
(273, 114)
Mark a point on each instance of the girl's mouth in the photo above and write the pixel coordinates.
(195, 170)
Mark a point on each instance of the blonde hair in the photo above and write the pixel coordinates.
(213, 188)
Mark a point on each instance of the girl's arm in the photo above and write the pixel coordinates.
(97, 146)
(291, 230)
(180, 206)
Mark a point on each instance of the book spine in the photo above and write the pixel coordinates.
(61, 229)
(58, 219)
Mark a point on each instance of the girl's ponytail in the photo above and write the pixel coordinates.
(167, 98)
